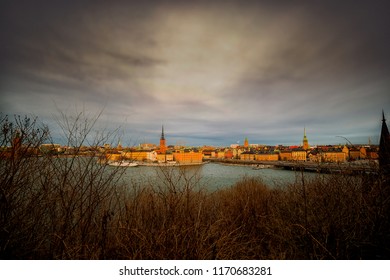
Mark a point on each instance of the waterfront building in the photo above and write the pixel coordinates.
(237, 152)
(334, 155)
(188, 157)
(164, 157)
(228, 154)
(328, 154)
(354, 153)
(267, 156)
(285, 155)
(137, 155)
(208, 153)
(113, 157)
(220, 154)
(298, 155)
(247, 156)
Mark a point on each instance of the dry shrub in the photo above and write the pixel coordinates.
(74, 208)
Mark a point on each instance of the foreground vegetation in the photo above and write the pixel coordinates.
(74, 208)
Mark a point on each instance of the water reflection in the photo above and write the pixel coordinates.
(211, 176)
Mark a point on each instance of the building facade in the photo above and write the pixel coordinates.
(190, 157)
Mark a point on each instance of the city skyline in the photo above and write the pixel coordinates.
(211, 73)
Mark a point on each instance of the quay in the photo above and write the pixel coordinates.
(307, 166)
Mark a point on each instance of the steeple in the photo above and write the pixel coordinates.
(162, 133)
(163, 147)
(305, 142)
(246, 143)
(384, 146)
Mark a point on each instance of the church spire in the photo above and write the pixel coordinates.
(163, 146)
(384, 146)
(162, 133)
(305, 144)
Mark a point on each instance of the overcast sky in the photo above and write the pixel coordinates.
(211, 72)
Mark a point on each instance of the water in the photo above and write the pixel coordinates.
(213, 176)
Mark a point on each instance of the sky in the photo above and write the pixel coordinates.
(211, 72)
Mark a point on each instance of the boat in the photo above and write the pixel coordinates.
(262, 166)
(123, 163)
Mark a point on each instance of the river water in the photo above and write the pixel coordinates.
(213, 176)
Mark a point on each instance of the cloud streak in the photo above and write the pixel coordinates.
(212, 73)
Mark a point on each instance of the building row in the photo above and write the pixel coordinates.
(164, 153)
(161, 154)
(318, 154)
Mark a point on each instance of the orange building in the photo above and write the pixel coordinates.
(285, 155)
(298, 155)
(267, 157)
(228, 154)
(190, 157)
(164, 157)
(138, 155)
(247, 156)
(335, 155)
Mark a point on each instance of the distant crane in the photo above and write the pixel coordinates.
(346, 139)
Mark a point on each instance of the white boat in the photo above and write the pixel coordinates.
(262, 166)
(124, 163)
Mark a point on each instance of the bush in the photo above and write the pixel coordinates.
(56, 207)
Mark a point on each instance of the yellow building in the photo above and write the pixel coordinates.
(298, 155)
(237, 153)
(137, 155)
(247, 156)
(191, 157)
(220, 154)
(164, 157)
(329, 155)
(285, 155)
(333, 156)
(267, 157)
(363, 153)
(114, 157)
(354, 153)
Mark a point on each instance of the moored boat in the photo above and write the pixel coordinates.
(123, 163)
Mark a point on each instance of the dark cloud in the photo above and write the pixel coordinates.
(212, 70)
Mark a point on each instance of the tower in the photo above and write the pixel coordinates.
(384, 147)
(163, 147)
(246, 143)
(305, 141)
